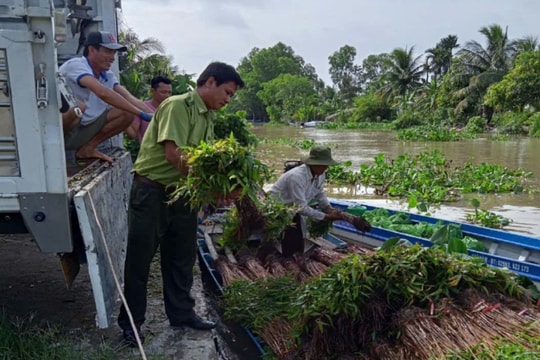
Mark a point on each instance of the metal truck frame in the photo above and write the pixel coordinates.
(76, 211)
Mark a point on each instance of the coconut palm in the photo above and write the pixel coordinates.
(483, 66)
(137, 49)
(404, 74)
(528, 43)
(136, 78)
(439, 58)
(143, 61)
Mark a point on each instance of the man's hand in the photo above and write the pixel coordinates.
(333, 214)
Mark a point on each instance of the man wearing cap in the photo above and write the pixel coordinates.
(107, 107)
(299, 186)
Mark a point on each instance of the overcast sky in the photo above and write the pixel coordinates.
(196, 32)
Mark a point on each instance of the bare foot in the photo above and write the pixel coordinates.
(92, 154)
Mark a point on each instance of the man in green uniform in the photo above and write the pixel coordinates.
(183, 120)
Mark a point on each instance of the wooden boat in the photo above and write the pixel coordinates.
(516, 252)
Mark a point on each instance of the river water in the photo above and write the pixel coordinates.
(361, 147)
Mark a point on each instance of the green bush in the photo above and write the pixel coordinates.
(371, 108)
(227, 123)
(534, 128)
(512, 123)
(407, 119)
(476, 125)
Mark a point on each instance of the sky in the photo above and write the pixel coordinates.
(197, 32)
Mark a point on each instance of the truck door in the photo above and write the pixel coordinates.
(33, 180)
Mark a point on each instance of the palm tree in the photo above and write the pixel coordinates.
(404, 73)
(143, 61)
(528, 43)
(137, 49)
(136, 78)
(483, 66)
(439, 58)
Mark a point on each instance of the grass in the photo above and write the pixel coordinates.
(20, 340)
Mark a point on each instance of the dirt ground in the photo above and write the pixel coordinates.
(32, 287)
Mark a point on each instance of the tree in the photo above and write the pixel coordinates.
(344, 73)
(263, 65)
(285, 95)
(520, 87)
(373, 68)
(439, 58)
(371, 107)
(143, 61)
(483, 66)
(528, 43)
(404, 73)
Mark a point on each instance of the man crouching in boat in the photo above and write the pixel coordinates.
(299, 186)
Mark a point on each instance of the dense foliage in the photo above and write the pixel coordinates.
(401, 299)
(430, 177)
(218, 169)
(235, 124)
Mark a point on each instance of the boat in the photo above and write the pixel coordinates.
(516, 252)
(311, 124)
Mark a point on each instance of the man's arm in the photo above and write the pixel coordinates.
(109, 96)
(176, 157)
(133, 128)
(132, 99)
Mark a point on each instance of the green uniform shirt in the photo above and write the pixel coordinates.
(183, 119)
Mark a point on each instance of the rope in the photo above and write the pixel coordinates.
(116, 281)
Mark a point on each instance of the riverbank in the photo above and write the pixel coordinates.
(33, 289)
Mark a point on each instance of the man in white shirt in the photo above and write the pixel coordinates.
(107, 107)
(299, 186)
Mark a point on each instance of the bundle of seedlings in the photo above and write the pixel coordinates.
(255, 267)
(272, 217)
(399, 303)
(354, 249)
(273, 264)
(231, 272)
(318, 228)
(309, 266)
(259, 306)
(294, 270)
(326, 256)
(451, 327)
(406, 302)
(222, 168)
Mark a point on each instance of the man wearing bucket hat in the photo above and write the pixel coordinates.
(299, 186)
(107, 108)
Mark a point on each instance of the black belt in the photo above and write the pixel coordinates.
(149, 182)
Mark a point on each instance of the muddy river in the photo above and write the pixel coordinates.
(361, 147)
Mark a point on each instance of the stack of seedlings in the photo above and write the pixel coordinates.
(402, 303)
(397, 303)
(225, 167)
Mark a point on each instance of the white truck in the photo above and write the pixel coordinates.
(77, 211)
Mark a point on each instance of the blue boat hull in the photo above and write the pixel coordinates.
(516, 252)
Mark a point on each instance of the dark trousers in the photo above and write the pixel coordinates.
(173, 227)
(293, 239)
